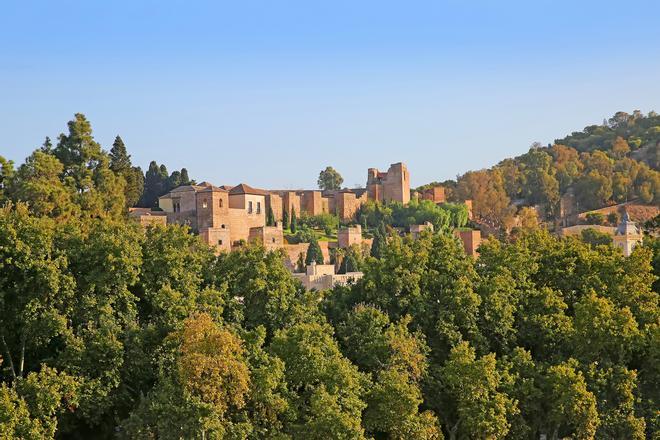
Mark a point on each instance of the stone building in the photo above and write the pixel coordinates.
(390, 186)
(146, 217)
(416, 230)
(627, 235)
(471, 240)
(348, 236)
(226, 216)
(323, 277)
(435, 194)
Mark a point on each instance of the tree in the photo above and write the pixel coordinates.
(120, 160)
(285, 219)
(120, 164)
(595, 238)
(571, 406)
(475, 407)
(314, 253)
(379, 242)
(155, 185)
(620, 147)
(325, 387)
(270, 217)
(330, 179)
(294, 222)
(38, 183)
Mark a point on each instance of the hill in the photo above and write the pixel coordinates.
(601, 165)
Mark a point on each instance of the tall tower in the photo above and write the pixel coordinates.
(627, 235)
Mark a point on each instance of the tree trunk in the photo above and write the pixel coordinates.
(22, 358)
(9, 359)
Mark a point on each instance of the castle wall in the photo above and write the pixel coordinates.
(311, 202)
(274, 202)
(291, 201)
(270, 236)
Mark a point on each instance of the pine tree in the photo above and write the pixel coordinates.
(270, 217)
(120, 161)
(285, 219)
(314, 253)
(47, 146)
(294, 221)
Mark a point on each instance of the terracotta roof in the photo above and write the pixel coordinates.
(246, 189)
(211, 188)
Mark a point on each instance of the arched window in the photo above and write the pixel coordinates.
(205, 204)
(220, 203)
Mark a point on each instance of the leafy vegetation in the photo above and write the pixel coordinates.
(108, 330)
(603, 164)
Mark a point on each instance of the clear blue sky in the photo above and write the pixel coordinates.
(270, 92)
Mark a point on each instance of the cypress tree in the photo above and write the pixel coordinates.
(314, 253)
(270, 217)
(294, 221)
(285, 219)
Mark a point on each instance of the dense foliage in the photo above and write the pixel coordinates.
(603, 164)
(109, 330)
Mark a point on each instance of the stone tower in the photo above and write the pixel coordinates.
(391, 186)
(627, 235)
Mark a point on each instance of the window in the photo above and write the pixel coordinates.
(222, 226)
(220, 203)
(205, 204)
(249, 207)
(177, 207)
(258, 207)
(219, 242)
(273, 239)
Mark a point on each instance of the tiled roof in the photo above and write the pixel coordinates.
(247, 189)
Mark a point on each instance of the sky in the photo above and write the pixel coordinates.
(271, 92)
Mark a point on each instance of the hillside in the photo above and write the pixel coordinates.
(601, 165)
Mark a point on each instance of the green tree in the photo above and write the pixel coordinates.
(330, 179)
(270, 217)
(38, 184)
(325, 387)
(314, 253)
(285, 219)
(293, 225)
(475, 406)
(571, 406)
(120, 164)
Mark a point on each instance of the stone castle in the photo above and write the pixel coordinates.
(227, 216)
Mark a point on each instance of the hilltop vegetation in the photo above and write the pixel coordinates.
(603, 164)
